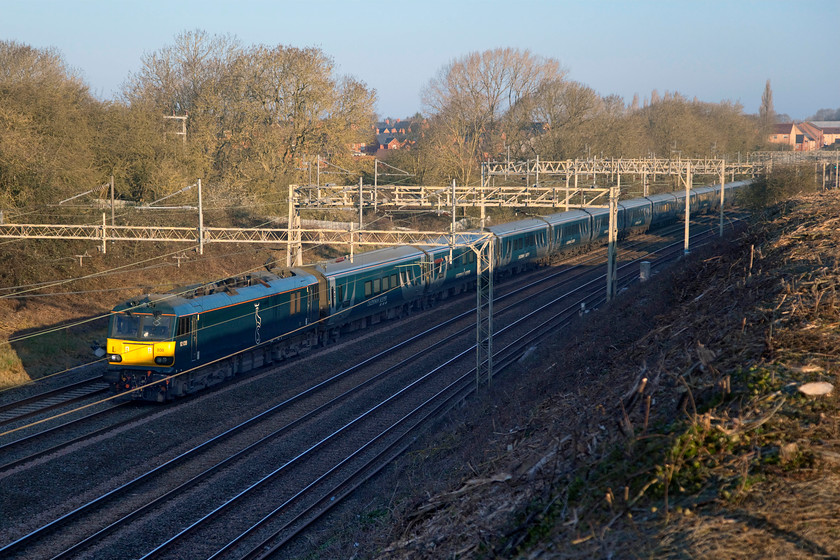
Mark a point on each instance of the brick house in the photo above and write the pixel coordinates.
(790, 134)
(827, 133)
(806, 136)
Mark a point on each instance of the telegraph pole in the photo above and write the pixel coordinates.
(200, 222)
(613, 237)
(687, 203)
(112, 200)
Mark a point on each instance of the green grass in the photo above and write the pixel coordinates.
(55, 351)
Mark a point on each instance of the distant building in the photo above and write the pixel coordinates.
(806, 136)
(827, 133)
(398, 134)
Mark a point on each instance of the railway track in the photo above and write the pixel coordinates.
(287, 418)
(330, 487)
(53, 399)
(11, 448)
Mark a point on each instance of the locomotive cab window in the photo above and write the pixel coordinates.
(141, 327)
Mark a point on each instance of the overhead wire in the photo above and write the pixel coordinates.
(173, 376)
(116, 270)
(102, 316)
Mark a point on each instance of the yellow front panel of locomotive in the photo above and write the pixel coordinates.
(138, 353)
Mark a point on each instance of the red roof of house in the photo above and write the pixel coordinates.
(784, 128)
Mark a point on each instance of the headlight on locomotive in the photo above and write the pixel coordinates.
(114, 358)
(164, 360)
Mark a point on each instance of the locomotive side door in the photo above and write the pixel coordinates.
(194, 337)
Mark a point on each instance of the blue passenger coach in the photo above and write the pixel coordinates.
(375, 285)
(519, 244)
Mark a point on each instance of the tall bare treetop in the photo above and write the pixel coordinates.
(488, 83)
(172, 78)
(20, 63)
(766, 113)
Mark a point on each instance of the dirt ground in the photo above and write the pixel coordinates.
(669, 424)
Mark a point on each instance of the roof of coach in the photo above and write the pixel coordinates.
(634, 203)
(521, 226)
(702, 190)
(566, 217)
(661, 196)
(362, 261)
(463, 239)
(597, 210)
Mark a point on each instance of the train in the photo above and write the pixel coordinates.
(164, 346)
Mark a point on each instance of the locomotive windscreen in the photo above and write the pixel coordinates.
(140, 327)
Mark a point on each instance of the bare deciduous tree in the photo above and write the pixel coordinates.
(471, 96)
(257, 114)
(766, 113)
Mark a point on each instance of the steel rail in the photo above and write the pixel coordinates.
(71, 392)
(172, 462)
(4, 449)
(504, 357)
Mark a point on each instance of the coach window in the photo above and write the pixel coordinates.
(368, 289)
(377, 285)
(394, 281)
(385, 283)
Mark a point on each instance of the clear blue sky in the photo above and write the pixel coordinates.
(710, 49)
